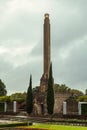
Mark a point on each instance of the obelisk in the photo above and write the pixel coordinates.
(46, 54)
(46, 44)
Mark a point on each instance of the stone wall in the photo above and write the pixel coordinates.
(59, 99)
(72, 107)
(58, 106)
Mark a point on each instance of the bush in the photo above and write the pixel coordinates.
(4, 98)
(82, 98)
(15, 124)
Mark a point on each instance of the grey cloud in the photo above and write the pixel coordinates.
(69, 29)
(24, 27)
(38, 49)
(5, 67)
(72, 70)
(20, 76)
(71, 21)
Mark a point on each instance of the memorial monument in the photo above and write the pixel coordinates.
(40, 96)
(40, 105)
(46, 54)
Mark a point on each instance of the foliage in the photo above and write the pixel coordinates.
(29, 98)
(36, 89)
(50, 93)
(18, 97)
(61, 88)
(82, 98)
(76, 92)
(3, 90)
(4, 98)
(14, 124)
(86, 92)
(14, 97)
(72, 99)
(66, 90)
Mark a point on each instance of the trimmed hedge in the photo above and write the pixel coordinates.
(82, 98)
(15, 124)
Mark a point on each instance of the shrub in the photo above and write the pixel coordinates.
(82, 98)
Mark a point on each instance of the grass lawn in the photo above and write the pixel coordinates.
(56, 127)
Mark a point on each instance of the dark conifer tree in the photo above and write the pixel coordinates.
(50, 93)
(29, 98)
(3, 90)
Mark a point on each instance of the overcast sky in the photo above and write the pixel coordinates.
(21, 42)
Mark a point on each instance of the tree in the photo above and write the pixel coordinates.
(29, 98)
(4, 98)
(76, 92)
(82, 98)
(18, 97)
(62, 88)
(3, 90)
(50, 93)
(86, 92)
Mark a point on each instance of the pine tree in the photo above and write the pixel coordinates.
(29, 98)
(50, 93)
(86, 92)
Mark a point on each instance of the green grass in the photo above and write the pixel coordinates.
(56, 127)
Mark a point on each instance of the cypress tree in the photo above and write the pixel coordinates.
(50, 93)
(29, 98)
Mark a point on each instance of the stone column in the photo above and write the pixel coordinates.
(14, 106)
(79, 108)
(46, 44)
(46, 54)
(5, 106)
(64, 108)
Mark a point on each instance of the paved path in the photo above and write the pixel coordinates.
(41, 120)
(24, 118)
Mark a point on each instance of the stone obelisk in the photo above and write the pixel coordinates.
(46, 52)
(46, 44)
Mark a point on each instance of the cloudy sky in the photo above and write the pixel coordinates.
(21, 42)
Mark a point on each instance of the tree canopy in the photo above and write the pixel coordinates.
(3, 90)
(18, 97)
(82, 98)
(62, 88)
(14, 97)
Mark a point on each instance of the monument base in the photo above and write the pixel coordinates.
(43, 83)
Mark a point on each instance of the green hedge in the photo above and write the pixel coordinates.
(15, 124)
(12, 98)
(82, 98)
(4, 98)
